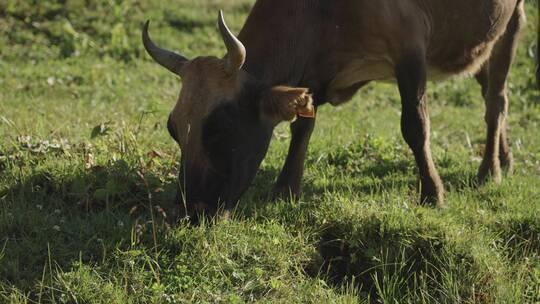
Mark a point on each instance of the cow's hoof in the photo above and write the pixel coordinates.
(432, 194)
(489, 172)
(285, 193)
(433, 200)
(507, 163)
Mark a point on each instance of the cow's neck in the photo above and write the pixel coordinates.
(280, 37)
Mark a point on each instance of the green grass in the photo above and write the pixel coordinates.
(88, 172)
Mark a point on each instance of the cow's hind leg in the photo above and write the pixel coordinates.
(497, 152)
(411, 77)
(506, 159)
(290, 179)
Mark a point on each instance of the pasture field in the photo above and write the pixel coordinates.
(88, 173)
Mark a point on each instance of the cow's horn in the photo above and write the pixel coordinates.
(170, 60)
(236, 52)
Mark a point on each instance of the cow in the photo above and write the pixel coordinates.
(294, 56)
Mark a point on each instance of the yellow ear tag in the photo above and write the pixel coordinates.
(305, 107)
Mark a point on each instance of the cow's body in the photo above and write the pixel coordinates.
(334, 48)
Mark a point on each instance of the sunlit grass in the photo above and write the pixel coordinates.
(88, 174)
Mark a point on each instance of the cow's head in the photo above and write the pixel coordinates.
(223, 122)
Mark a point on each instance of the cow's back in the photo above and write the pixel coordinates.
(458, 34)
(463, 32)
(338, 44)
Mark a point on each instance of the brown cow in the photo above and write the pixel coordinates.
(297, 52)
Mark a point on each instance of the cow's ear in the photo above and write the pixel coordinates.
(282, 103)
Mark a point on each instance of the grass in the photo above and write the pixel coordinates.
(88, 172)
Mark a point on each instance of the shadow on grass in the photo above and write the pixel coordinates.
(55, 220)
(51, 221)
(373, 255)
(404, 262)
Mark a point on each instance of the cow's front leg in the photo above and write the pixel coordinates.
(290, 179)
(411, 77)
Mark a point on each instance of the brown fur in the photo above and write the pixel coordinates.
(352, 42)
(204, 79)
(333, 48)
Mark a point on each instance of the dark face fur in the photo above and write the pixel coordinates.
(234, 142)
